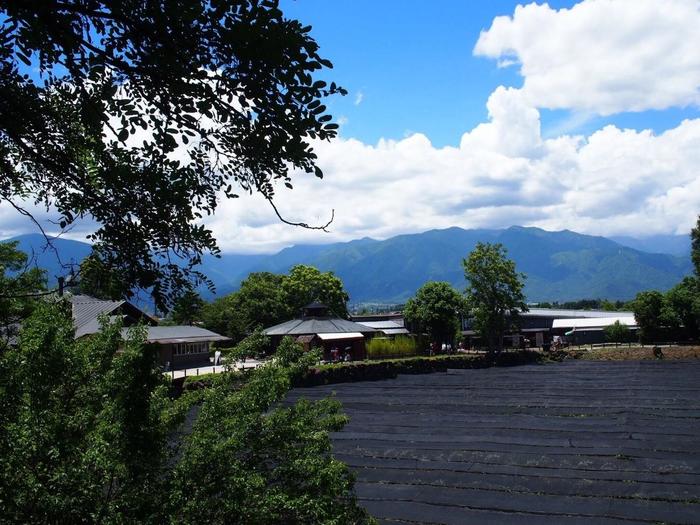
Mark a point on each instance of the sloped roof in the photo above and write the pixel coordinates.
(179, 334)
(573, 314)
(587, 322)
(317, 326)
(383, 325)
(86, 310)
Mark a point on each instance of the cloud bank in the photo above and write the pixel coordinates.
(601, 57)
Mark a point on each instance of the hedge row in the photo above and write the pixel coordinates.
(206, 380)
(389, 369)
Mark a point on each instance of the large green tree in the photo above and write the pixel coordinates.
(494, 291)
(617, 333)
(436, 309)
(141, 115)
(695, 247)
(683, 300)
(82, 432)
(88, 434)
(265, 299)
(19, 284)
(306, 284)
(188, 308)
(652, 313)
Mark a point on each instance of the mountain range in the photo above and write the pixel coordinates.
(560, 266)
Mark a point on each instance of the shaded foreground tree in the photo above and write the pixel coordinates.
(436, 310)
(494, 291)
(89, 435)
(673, 314)
(141, 115)
(82, 426)
(18, 280)
(187, 309)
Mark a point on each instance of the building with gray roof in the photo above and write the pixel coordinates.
(318, 329)
(177, 346)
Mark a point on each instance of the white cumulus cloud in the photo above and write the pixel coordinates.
(614, 181)
(602, 56)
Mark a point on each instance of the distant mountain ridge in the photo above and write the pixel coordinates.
(560, 266)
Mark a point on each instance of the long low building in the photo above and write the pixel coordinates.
(539, 325)
(587, 330)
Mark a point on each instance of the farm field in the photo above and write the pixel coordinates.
(572, 442)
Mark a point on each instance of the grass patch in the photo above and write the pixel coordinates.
(382, 347)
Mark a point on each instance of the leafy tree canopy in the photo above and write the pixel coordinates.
(695, 247)
(142, 115)
(18, 281)
(436, 309)
(265, 299)
(494, 291)
(617, 332)
(306, 284)
(88, 434)
(188, 308)
(684, 301)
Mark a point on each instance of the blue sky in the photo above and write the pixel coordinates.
(413, 64)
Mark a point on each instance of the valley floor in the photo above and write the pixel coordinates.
(572, 442)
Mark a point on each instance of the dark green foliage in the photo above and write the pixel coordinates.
(684, 302)
(87, 436)
(306, 284)
(187, 309)
(494, 291)
(651, 311)
(617, 332)
(82, 426)
(390, 368)
(436, 310)
(98, 280)
(250, 462)
(695, 247)
(265, 299)
(255, 345)
(145, 113)
(18, 281)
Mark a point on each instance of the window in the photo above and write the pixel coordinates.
(191, 348)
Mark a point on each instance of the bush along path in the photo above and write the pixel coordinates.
(390, 368)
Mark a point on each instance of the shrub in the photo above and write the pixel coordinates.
(390, 368)
(381, 347)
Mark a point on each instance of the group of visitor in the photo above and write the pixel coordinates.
(336, 356)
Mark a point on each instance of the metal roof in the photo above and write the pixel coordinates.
(344, 335)
(381, 325)
(179, 334)
(395, 331)
(573, 314)
(588, 323)
(86, 310)
(317, 326)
